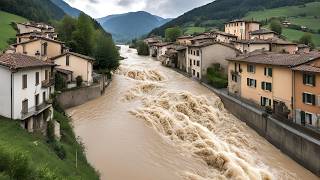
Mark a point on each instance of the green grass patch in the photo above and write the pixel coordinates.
(310, 21)
(41, 155)
(6, 30)
(193, 30)
(295, 35)
(310, 9)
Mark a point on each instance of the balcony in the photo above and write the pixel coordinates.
(47, 83)
(33, 111)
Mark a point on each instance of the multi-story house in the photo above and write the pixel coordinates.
(241, 28)
(224, 37)
(250, 45)
(27, 84)
(202, 56)
(265, 79)
(184, 40)
(161, 48)
(307, 93)
(71, 65)
(263, 34)
(41, 48)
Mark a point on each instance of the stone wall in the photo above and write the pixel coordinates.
(302, 148)
(76, 97)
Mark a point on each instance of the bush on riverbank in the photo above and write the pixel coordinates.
(31, 153)
(216, 78)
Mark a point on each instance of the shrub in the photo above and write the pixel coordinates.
(50, 131)
(143, 48)
(79, 81)
(275, 26)
(216, 78)
(59, 150)
(60, 83)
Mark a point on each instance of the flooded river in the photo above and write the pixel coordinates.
(155, 124)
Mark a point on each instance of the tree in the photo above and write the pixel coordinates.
(143, 48)
(172, 34)
(106, 53)
(84, 35)
(307, 40)
(275, 26)
(66, 27)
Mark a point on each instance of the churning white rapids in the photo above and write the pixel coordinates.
(155, 124)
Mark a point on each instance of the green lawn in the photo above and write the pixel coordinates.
(294, 35)
(192, 30)
(15, 139)
(309, 21)
(6, 31)
(311, 9)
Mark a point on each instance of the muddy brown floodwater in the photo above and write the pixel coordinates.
(155, 124)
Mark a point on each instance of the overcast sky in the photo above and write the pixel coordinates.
(163, 8)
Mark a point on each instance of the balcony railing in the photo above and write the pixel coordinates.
(35, 110)
(47, 83)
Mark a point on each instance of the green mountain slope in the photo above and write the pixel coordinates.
(6, 30)
(71, 11)
(35, 10)
(307, 15)
(225, 10)
(41, 156)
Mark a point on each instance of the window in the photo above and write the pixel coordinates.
(25, 106)
(36, 100)
(251, 68)
(193, 72)
(234, 78)
(198, 75)
(44, 49)
(24, 49)
(46, 74)
(24, 81)
(266, 86)
(251, 83)
(67, 60)
(190, 62)
(309, 79)
(37, 78)
(194, 62)
(268, 71)
(309, 99)
(44, 96)
(265, 101)
(198, 63)
(306, 118)
(198, 53)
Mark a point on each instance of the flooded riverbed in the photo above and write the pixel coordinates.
(155, 124)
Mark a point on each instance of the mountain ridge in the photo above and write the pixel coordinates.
(71, 11)
(131, 25)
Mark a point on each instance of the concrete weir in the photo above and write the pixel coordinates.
(302, 148)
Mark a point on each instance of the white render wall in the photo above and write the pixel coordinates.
(31, 90)
(5, 92)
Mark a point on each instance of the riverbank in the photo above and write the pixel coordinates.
(32, 157)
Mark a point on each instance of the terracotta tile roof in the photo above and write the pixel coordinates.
(224, 34)
(252, 41)
(16, 61)
(271, 58)
(185, 37)
(307, 68)
(242, 20)
(163, 44)
(63, 71)
(74, 54)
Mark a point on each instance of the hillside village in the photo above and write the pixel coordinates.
(28, 71)
(254, 65)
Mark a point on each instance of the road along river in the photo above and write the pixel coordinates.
(155, 124)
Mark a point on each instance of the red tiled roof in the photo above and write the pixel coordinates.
(74, 54)
(271, 58)
(38, 38)
(307, 68)
(16, 61)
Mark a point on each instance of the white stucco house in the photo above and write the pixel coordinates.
(27, 84)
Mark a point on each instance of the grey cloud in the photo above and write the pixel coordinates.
(94, 1)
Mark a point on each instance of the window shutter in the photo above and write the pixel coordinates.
(265, 71)
(270, 87)
(255, 83)
(261, 101)
(270, 72)
(248, 83)
(262, 85)
(303, 116)
(298, 116)
(304, 79)
(303, 98)
(314, 80)
(313, 100)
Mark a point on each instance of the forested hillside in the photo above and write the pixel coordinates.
(225, 10)
(35, 10)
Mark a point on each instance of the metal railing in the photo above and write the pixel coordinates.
(35, 110)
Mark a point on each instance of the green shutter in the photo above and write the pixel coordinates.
(303, 116)
(313, 100)
(304, 79)
(270, 72)
(314, 80)
(265, 71)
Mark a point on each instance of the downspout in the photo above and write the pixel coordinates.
(11, 93)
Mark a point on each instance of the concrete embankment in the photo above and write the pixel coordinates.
(302, 148)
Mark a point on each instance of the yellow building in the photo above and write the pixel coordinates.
(40, 47)
(265, 79)
(241, 28)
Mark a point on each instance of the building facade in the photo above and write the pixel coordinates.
(27, 86)
(241, 28)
